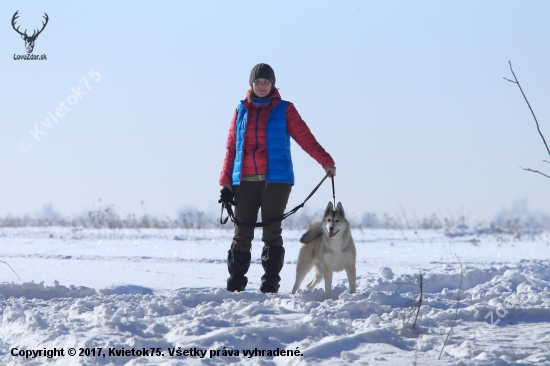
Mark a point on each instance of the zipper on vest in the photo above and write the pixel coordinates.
(256, 147)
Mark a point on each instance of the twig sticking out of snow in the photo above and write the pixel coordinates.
(419, 303)
(412, 306)
(7, 264)
(456, 312)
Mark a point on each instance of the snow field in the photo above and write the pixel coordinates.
(164, 289)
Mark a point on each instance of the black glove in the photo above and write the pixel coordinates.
(226, 196)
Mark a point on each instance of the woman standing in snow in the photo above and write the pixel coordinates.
(258, 170)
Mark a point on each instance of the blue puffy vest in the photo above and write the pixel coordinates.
(279, 160)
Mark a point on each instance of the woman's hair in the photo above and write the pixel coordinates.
(250, 94)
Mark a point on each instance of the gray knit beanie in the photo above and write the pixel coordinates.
(262, 71)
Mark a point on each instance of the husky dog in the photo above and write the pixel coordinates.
(329, 247)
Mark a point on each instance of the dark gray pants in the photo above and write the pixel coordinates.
(249, 198)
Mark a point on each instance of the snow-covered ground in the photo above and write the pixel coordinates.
(164, 291)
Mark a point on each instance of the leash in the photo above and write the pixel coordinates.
(226, 204)
(333, 192)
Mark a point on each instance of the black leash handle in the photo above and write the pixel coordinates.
(231, 215)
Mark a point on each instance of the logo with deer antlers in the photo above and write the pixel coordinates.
(29, 40)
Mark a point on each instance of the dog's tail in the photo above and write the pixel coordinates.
(313, 232)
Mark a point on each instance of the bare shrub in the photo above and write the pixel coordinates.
(515, 220)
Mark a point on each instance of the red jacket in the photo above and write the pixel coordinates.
(255, 156)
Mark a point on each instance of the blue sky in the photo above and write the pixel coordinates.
(408, 97)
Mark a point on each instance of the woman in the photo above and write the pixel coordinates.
(258, 170)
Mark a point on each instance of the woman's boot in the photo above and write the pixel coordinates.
(237, 265)
(272, 261)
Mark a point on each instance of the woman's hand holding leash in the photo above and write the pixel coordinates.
(330, 170)
(226, 199)
(226, 196)
(228, 186)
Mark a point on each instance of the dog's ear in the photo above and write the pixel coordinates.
(340, 209)
(329, 208)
